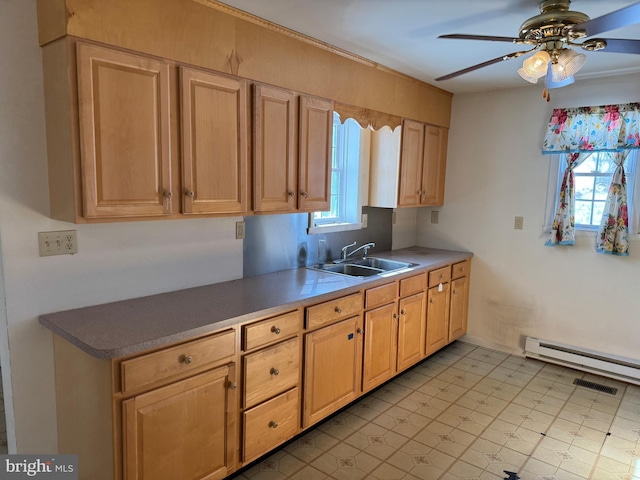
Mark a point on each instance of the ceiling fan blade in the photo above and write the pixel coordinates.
(620, 18)
(462, 36)
(619, 45)
(482, 65)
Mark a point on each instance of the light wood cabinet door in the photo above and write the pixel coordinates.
(333, 368)
(182, 431)
(434, 165)
(123, 102)
(215, 148)
(411, 154)
(437, 318)
(411, 330)
(315, 141)
(459, 308)
(380, 343)
(275, 149)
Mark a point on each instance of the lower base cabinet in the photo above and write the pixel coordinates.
(180, 431)
(333, 368)
(204, 408)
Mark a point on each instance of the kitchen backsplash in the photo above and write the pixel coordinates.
(279, 242)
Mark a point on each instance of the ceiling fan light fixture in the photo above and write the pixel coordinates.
(536, 65)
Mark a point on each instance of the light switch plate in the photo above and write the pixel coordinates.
(435, 216)
(518, 223)
(240, 230)
(64, 242)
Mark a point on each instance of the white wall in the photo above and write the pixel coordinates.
(115, 261)
(520, 287)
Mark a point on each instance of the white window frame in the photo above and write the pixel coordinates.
(349, 144)
(557, 166)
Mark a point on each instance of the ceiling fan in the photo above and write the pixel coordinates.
(551, 33)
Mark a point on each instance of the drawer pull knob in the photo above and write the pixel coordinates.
(275, 371)
(273, 424)
(395, 315)
(275, 330)
(168, 194)
(403, 311)
(338, 310)
(304, 194)
(233, 385)
(190, 194)
(290, 193)
(359, 330)
(186, 359)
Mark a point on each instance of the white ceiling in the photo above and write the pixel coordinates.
(402, 34)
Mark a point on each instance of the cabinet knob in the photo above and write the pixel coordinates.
(403, 311)
(338, 310)
(273, 424)
(304, 194)
(359, 330)
(431, 300)
(274, 371)
(455, 292)
(190, 194)
(395, 315)
(290, 193)
(233, 385)
(186, 359)
(275, 330)
(168, 194)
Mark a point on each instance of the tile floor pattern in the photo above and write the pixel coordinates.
(469, 413)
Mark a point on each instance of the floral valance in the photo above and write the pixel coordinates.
(588, 129)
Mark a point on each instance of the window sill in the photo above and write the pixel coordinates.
(335, 227)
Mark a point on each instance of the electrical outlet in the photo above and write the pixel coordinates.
(64, 242)
(518, 223)
(365, 219)
(435, 216)
(239, 230)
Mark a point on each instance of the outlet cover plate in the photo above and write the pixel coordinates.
(64, 242)
(240, 233)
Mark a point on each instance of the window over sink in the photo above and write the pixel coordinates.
(348, 157)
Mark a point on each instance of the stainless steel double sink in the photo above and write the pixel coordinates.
(364, 267)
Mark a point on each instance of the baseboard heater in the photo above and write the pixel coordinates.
(613, 366)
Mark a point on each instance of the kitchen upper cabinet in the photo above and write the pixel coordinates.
(123, 113)
(181, 430)
(292, 151)
(408, 165)
(215, 144)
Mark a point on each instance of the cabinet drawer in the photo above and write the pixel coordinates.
(271, 330)
(460, 269)
(411, 285)
(271, 371)
(270, 424)
(441, 275)
(177, 362)
(334, 310)
(382, 295)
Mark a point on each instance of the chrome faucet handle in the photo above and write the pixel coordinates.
(345, 248)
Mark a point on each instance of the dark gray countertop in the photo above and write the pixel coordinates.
(130, 326)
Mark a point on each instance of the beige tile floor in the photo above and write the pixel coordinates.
(470, 413)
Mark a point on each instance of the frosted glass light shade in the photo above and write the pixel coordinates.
(571, 62)
(536, 65)
(527, 77)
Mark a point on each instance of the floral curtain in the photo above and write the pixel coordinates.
(614, 226)
(563, 230)
(586, 129)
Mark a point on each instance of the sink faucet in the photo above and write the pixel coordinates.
(364, 247)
